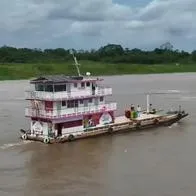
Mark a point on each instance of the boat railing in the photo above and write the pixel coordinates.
(42, 95)
(69, 112)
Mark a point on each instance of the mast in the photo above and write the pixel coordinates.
(147, 103)
(75, 62)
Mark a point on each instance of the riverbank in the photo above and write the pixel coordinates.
(26, 71)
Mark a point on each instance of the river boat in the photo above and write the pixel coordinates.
(65, 108)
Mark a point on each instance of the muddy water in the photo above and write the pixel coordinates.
(158, 162)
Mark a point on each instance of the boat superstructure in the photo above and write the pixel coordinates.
(62, 105)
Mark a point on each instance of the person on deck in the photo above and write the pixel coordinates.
(138, 111)
(150, 108)
(132, 107)
(132, 111)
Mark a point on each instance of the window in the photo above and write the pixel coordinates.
(75, 85)
(88, 84)
(76, 103)
(90, 100)
(101, 99)
(49, 88)
(81, 101)
(48, 105)
(39, 87)
(72, 103)
(82, 85)
(59, 88)
(63, 103)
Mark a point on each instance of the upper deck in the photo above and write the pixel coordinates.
(61, 87)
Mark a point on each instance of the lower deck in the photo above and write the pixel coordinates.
(120, 124)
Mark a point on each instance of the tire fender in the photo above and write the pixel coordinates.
(110, 129)
(46, 140)
(70, 138)
(156, 121)
(24, 136)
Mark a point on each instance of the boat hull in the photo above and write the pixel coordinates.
(117, 127)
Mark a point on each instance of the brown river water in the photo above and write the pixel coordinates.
(154, 162)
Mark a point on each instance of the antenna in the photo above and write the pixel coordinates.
(147, 103)
(75, 62)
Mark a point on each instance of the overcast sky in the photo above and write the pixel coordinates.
(86, 24)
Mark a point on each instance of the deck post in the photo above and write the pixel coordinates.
(147, 103)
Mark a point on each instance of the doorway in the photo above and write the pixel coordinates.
(93, 89)
(59, 129)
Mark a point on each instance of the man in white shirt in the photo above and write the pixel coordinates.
(138, 110)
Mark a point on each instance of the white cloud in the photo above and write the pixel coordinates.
(90, 10)
(92, 23)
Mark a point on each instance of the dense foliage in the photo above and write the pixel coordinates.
(110, 53)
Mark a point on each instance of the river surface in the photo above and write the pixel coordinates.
(154, 162)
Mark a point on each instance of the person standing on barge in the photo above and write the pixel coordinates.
(138, 111)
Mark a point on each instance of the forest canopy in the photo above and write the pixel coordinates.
(111, 53)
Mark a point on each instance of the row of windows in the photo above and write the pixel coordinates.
(58, 88)
(74, 103)
(82, 84)
(49, 88)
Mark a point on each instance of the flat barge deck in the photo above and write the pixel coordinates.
(121, 124)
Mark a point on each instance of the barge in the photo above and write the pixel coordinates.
(66, 108)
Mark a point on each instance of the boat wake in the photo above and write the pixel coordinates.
(6, 146)
(174, 91)
(188, 98)
(169, 91)
(173, 125)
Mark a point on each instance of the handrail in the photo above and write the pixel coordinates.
(29, 111)
(65, 94)
(98, 88)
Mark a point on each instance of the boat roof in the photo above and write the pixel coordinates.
(62, 79)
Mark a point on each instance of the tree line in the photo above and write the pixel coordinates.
(111, 53)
